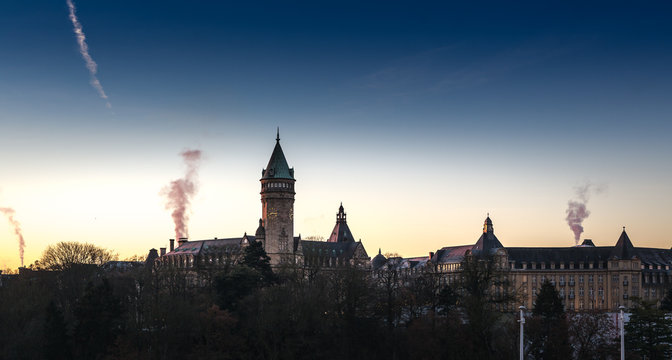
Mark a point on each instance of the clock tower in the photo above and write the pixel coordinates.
(277, 206)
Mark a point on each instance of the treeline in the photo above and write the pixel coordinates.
(247, 311)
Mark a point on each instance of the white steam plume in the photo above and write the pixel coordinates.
(84, 50)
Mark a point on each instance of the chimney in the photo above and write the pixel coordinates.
(181, 241)
(172, 244)
(431, 255)
(162, 251)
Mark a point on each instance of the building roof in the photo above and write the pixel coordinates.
(341, 232)
(329, 249)
(277, 167)
(451, 254)
(559, 254)
(623, 248)
(488, 242)
(378, 261)
(197, 247)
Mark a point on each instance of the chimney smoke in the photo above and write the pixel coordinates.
(179, 193)
(577, 211)
(9, 213)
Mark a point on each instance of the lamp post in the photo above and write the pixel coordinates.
(621, 320)
(522, 324)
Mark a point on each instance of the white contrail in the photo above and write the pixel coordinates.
(84, 50)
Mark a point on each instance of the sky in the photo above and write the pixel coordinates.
(420, 117)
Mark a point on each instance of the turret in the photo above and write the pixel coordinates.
(277, 202)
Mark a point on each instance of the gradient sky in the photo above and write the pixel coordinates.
(420, 117)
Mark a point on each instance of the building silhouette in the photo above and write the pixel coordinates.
(587, 277)
(275, 232)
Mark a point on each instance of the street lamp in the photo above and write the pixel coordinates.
(621, 320)
(522, 323)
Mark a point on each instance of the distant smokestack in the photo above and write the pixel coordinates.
(9, 213)
(181, 241)
(577, 211)
(162, 251)
(172, 244)
(179, 193)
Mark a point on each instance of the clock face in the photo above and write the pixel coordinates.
(272, 213)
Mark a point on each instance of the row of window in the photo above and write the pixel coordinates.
(277, 185)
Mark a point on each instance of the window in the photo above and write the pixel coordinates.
(590, 279)
(580, 279)
(581, 292)
(600, 279)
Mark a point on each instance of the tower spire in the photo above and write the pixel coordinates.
(277, 138)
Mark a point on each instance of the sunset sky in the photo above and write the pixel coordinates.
(420, 117)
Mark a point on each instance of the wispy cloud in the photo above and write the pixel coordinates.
(84, 50)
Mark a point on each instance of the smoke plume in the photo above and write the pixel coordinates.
(84, 50)
(179, 193)
(9, 213)
(576, 209)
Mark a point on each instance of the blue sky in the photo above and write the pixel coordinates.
(447, 101)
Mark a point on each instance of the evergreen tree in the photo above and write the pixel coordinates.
(649, 332)
(548, 304)
(548, 328)
(255, 257)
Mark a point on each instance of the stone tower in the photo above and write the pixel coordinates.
(277, 206)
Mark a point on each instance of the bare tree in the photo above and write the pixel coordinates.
(592, 334)
(65, 254)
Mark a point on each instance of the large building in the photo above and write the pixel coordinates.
(275, 231)
(587, 277)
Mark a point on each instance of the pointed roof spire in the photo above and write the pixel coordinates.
(277, 167)
(487, 225)
(488, 242)
(623, 249)
(341, 232)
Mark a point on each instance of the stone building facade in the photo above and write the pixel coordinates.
(275, 231)
(587, 277)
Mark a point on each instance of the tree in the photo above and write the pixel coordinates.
(57, 341)
(649, 332)
(548, 326)
(484, 291)
(255, 257)
(592, 335)
(98, 316)
(65, 254)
